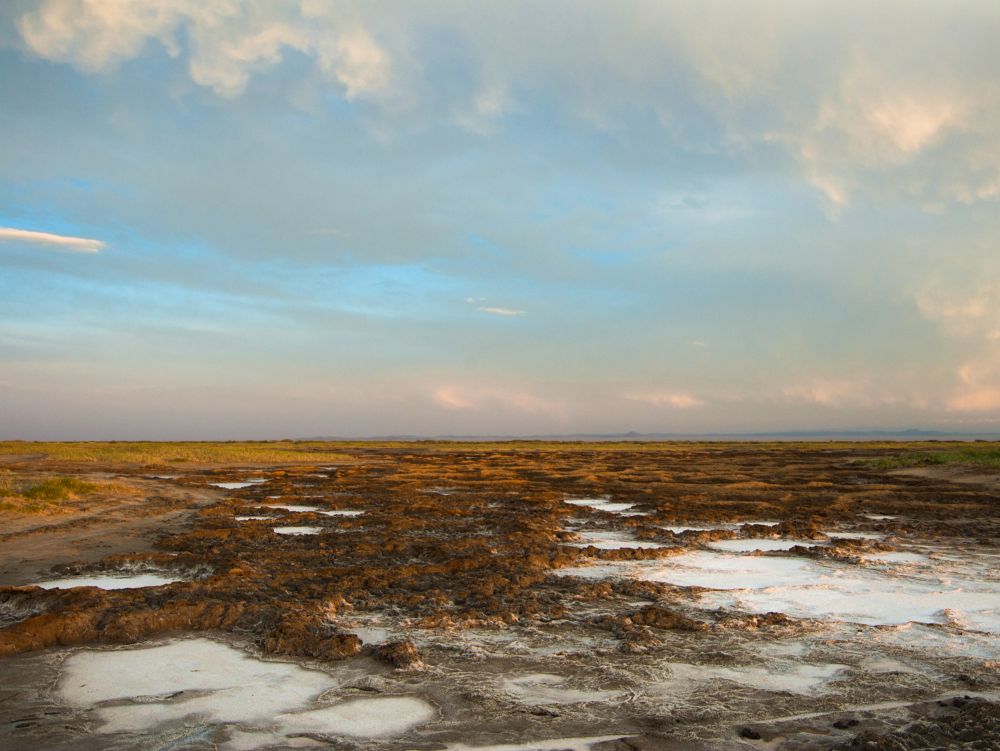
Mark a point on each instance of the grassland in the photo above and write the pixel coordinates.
(289, 451)
(986, 456)
(171, 452)
(884, 454)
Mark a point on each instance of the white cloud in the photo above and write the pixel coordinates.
(475, 397)
(53, 241)
(225, 42)
(671, 399)
(502, 311)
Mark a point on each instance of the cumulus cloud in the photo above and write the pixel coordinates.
(52, 241)
(862, 112)
(225, 42)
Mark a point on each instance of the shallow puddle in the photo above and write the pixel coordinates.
(342, 512)
(205, 681)
(237, 485)
(601, 504)
(133, 581)
(293, 508)
(252, 518)
(294, 531)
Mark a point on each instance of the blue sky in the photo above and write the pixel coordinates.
(320, 217)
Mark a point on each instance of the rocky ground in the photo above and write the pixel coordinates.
(465, 581)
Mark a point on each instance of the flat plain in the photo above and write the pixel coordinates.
(519, 595)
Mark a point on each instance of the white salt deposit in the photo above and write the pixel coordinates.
(855, 536)
(342, 512)
(880, 517)
(555, 744)
(382, 717)
(748, 545)
(803, 588)
(873, 598)
(793, 677)
(298, 530)
(252, 518)
(371, 634)
(134, 581)
(544, 688)
(896, 556)
(601, 504)
(721, 571)
(598, 571)
(940, 640)
(680, 529)
(203, 681)
(292, 507)
(237, 485)
(608, 540)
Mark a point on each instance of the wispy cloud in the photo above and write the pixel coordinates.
(475, 397)
(672, 399)
(51, 240)
(502, 311)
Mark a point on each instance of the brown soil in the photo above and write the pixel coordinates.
(448, 540)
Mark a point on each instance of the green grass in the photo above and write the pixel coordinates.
(978, 456)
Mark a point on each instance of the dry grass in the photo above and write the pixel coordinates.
(168, 452)
(322, 452)
(42, 496)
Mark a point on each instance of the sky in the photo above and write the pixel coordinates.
(278, 218)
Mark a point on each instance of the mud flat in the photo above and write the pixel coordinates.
(678, 596)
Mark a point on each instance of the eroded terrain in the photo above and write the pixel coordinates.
(681, 596)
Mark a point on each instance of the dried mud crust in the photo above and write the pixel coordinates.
(962, 724)
(453, 539)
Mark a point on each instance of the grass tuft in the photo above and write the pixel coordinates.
(46, 495)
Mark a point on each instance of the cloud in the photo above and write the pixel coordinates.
(225, 43)
(487, 398)
(978, 388)
(830, 393)
(502, 311)
(53, 241)
(969, 314)
(859, 111)
(671, 399)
